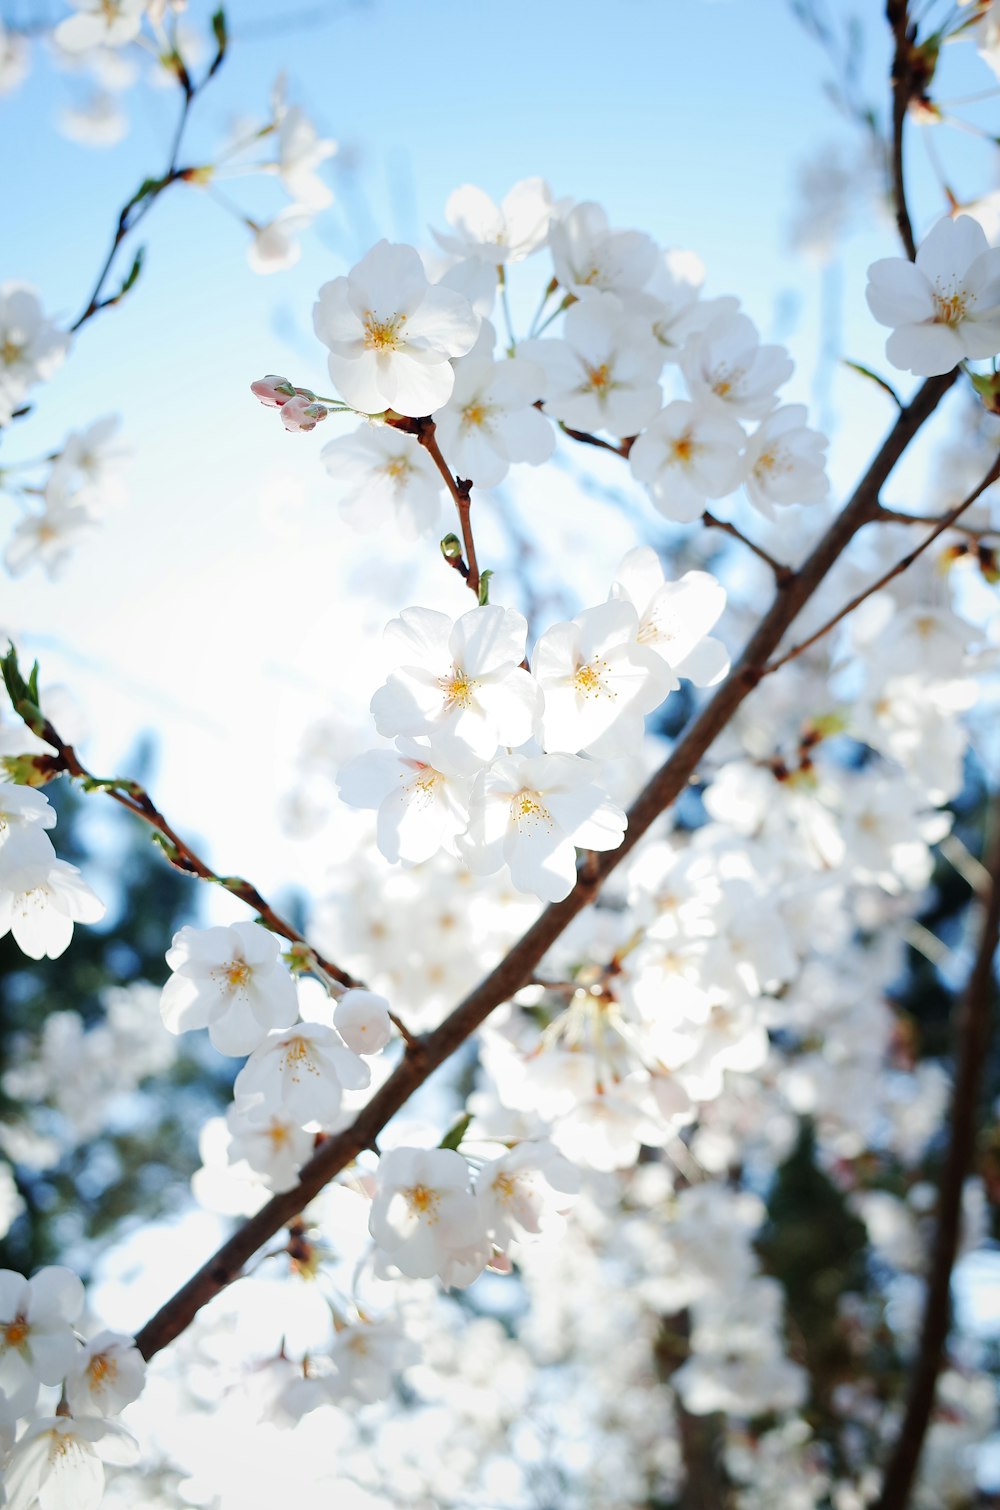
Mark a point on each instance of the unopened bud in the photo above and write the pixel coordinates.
(299, 414)
(30, 770)
(273, 391)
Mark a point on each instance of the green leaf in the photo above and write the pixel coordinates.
(484, 586)
(456, 1132)
(221, 40)
(874, 378)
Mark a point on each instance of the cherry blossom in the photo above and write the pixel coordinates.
(300, 152)
(275, 245)
(597, 680)
(727, 368)
(519, 1193)
(603, 374)
(37, 1342)
(384, 476)
(462, 683)
(231, 981)
(100, 23)
(424, 1213)
(491, 420)
(943, 308)
(58, 1463)
(107, 1375)
(496, 234)
(785, 461)
(362, 1020)
(687, 456)
(391, 333)
(675, 617)
(302, 1072)
(40, 900)
(591, 258)
(422, 797)
(31, 348)
(532, 812)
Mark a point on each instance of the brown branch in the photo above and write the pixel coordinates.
(944, 523)
(972, 1036)
(904, 87)
(135, 799)
(522, 960)
(897, 516)
(782, 573)
(460, 489)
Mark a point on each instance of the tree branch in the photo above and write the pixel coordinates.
(782, 573)
(460, 489)
(944, 523)
(425, 1054)
(135, 799)
(903, 90)
(972, 1035)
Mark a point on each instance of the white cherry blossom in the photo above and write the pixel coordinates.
(58, 1463)
(273, 1143)
(385, 476)
(275, 244)
(300, 152)
(362, 1020)
(37, 1342)
(496, 234)
(424, 1213)
(532, 812)
(597, 681)
(31, 347)
(40, 900)
(107, 1375)
(422, 797)
(603, 374)
(590, 257)
(943, 308)
(301, 1072)
(391, 333)
(675, 617)
(519, 1193)
(100, 23)
(461, 683)
(491, 420)
(785, 461)
(231, 981)
(687, 456)
(727, 368)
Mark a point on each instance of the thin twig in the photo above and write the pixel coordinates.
(521, 962)
(782, 573)
(132, 796)
(945, 523)
(903, 90)
(897, 516)
(460, 489)
(972, 1036)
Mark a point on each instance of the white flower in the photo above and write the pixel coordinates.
(671, 302)
(532, 812)
(497, 235)
(687, 456)
(422, 797)
(232, 981)
(37, 1342)
(93, 458)
(387, 478)
(40, 900)
(108, 1375)
(366, 1357)
(21, 807)
(589, 257)
(301, 1072)
(597, 680)
(57, 1463)
(785, 461)
(603, 375)
(272, 1143)
(675, 617)
(491, 420)
(462, 683)
(945, 306)
(518, 1193)
(274, 246)
(424, 1212)
(49, 537)
(391, 333)
(362, 1020)
(100, 23)
(726, 367)
(300, 152)
(31, 348)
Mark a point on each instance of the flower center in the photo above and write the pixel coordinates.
(475, 415)
(101, 1368)
(683, 448)
(529, 811)
(588, 680)
(599, 379)
(382, 335)
(15, 1333)
(397, 469)
(949, 309)
(505, 1186)
(458, 689)
(10, 352)
(423, 1200)
(297, 1057)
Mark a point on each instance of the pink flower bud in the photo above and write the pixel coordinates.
(299, 414)
(272, 390)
